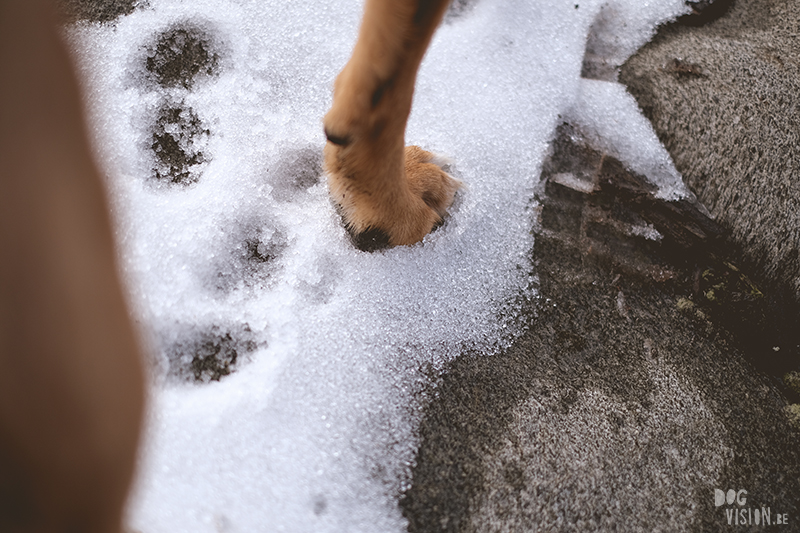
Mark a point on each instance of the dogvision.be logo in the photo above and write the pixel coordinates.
(738, 513)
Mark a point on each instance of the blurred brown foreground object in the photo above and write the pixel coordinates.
(71, 383)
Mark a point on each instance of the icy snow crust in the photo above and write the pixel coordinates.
(315, 428)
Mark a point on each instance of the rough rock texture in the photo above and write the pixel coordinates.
(625, 406)
(724, 99)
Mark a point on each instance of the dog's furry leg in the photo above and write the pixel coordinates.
(71, 382)
(385, 190)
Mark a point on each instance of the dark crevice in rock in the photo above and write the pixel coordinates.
(705, 11)
(723, 100)
(612, 218)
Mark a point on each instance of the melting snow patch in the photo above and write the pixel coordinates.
(311, 360)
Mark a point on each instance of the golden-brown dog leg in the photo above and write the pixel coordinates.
(71, 383)
(385, 191)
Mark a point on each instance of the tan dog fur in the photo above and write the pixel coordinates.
(379, 184)
(71, 382)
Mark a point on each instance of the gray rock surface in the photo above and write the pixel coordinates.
(724, 100)
(624, 406)
(650, 377)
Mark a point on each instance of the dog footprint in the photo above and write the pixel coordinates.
(180, 55)
(295, 172)
(179, 143)
(199, 354)
(175, 61)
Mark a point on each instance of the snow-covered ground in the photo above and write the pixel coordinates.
(336, 349)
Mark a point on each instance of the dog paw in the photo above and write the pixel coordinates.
(402, 209)
(428, 180)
